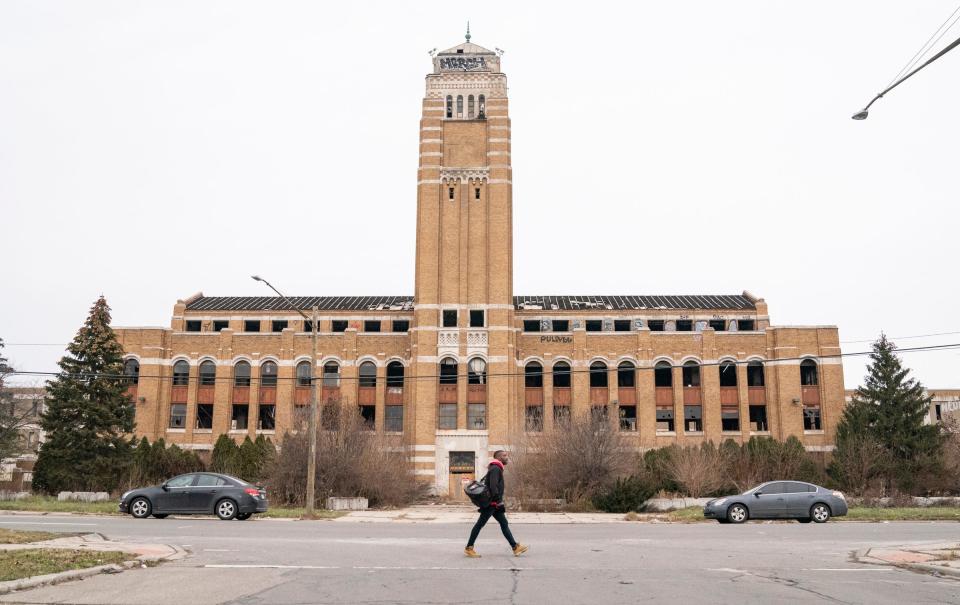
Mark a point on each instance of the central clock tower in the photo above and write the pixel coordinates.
(464, 273)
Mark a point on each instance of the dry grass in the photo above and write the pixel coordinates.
(16, 536)
(17, 564)
(52, 505)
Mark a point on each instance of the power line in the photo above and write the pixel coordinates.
(927, 46)
(899, 337)
(662, 365)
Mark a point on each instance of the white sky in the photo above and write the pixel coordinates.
(149, 150)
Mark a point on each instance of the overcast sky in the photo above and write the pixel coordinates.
(150, 150)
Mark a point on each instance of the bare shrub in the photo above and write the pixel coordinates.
(351, 461)
(699, 470)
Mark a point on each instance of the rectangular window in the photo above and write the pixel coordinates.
(729, 419)
(477, 319)
(628, 418)
(811, 418)
(449, 318)
(393, 418)
(533, 418)
(621, 325)
(476, 193)
(693, 418)
(451, 193)
(447, 418)
(665, 420)
(307, 326)
(758, 418)
(684, 325)
(267, 419)
(476, 416)
(251, 325)
(371, 325)
(178, 416)
(401, 325)
(938, 412)
(220, 325)
(238, 417)
(278, 325)
(369, 415)
(655, 325)
(338, 325)
(746, 325)
(193, 325)
(718, 324)
(205, 416)
(531, 325)
(561, 325)
(594, 325)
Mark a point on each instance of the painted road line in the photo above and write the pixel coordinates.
(45, 523)
(362, 567)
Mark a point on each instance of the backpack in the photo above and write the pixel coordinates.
(478, 492)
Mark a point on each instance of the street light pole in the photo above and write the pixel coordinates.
(314, 409)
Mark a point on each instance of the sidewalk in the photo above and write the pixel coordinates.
(939, 558)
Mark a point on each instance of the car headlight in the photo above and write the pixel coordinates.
(719, 502)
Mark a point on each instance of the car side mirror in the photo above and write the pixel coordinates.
(757, 494)
(164, 487)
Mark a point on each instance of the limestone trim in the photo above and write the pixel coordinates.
(464, 175)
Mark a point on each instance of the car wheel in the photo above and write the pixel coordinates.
(244, 516)
(226, 509)
(156, 516)
(820, 512)
(737, 513)
(804, 520)
(140, 508)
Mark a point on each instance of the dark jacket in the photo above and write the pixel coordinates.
(495, 482)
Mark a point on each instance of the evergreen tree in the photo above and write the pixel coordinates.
(224, 456)
(891, 408)
(247, 460)
(89, 415)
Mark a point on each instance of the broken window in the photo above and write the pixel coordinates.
(811, 418)
(655, 325)
(533, 375)
(561, 375)
(684, 325)
(451, 194)
(393, 418)
(728, 374)
(665, 420)
(476, 193)
(533, 418)
(371, 325)
(476, 416)
(470, 106)
(594, 325)
(693, 418)
(531, 325)
(208, 373)
(746, 325)
(729, 419)
(758, 418)
(238, 417)
(395, 374)
(193, 325)
(205, 416)
(447, 417)
(449, 106)
(449, 318)
(938, 413)
(561, 325)
(266, 417)
(268, 374)
(459, 106)
(754, 374)
(338, 325)
(718, 324)
(621, 325)
(251, 325)
(598, 375)
(476, 371)
(181, 373)
(220, 325)
(368, 415)
(368, 374)
(178, 416)
(401, 325)
(628, 417)
(448, 371)
(808, 373)
(303, 374)
(691, 374)
(663, 374)
(241, 374)
(477, 319)
(131, 370)
(331, 374)
(626, 375)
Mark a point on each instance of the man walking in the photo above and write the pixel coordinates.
(496, 508)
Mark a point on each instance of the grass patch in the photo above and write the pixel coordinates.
(296, 513)
(48, 504)
(686, 515)
(16, 564)
(15, 536)
(932, 513)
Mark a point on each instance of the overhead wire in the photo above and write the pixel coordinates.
(928, 45)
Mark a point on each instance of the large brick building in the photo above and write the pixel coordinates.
(464, 366)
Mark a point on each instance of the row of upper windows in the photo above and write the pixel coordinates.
(207, 373)
(279, 325)
(628, 325)
(476, 108)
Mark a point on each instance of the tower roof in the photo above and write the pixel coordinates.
(467, 48)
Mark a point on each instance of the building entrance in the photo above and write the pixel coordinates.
(462, 471)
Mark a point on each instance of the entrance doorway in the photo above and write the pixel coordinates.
(462, 471)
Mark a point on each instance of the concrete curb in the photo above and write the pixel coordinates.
(864, 556)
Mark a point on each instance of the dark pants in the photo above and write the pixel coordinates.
(500, 514)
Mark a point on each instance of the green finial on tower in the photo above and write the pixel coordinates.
(468, 31)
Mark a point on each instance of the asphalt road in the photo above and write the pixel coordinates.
(294, 562)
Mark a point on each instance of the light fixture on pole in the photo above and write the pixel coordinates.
(314, 412)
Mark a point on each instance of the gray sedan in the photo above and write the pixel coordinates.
(804, 502)
(196, 494)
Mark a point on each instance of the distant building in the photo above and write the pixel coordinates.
(944, 406)
(26, 404)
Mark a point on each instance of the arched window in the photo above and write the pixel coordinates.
(268, 374)
(561, 375)
(626, 375)
(808, 373)
(477, 371)
(181, 373)
(754, 374)
(598, 375)
(241, 374)
(208, 373)
(470, 106)
(131, 369)
(395, 374)
(368, 374)
(483, 108)
(728, 374)
(449, 106)
(459, 106)
(448, 371)
(331, 374)
(303, 374)
(663, 374)
(691, 374)
(533, 375)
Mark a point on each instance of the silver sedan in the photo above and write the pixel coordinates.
(804, 502)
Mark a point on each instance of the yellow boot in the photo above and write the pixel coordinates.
(519, 549)
(471, 553)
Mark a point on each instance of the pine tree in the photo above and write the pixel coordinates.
(891, 408)
(89, 416)
(247, 460)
